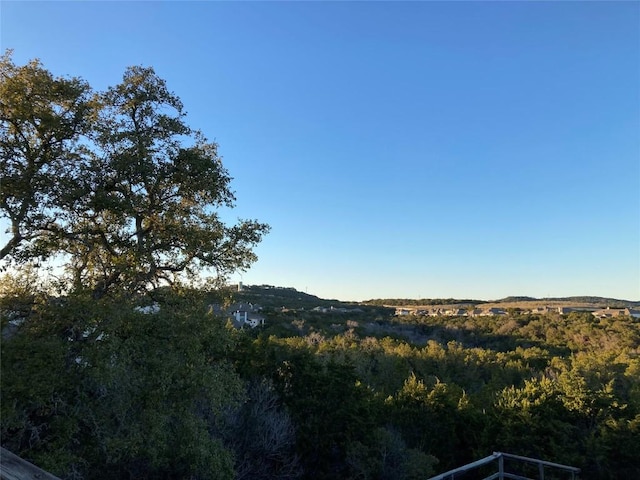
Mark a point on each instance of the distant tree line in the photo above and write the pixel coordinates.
(423, 301)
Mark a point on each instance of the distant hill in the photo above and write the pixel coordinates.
(274, 297)
(590, 300)
(607, 302)
(518, 299)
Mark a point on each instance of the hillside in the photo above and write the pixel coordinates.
(273, 297)
(599, 301)
(523, 302)
(270, 297)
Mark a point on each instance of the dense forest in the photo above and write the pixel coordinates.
(115, 363)
(98, 389)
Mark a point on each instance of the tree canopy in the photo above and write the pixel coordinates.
(128, 196)
(116, 182)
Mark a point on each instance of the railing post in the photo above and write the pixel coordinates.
(501, 474)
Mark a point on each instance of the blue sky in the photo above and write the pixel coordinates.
(418, 149)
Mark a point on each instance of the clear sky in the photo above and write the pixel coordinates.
(418, 149)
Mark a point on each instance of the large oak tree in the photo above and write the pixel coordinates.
(117, 185)
(116, 182)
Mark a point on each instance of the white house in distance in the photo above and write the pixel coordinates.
(241, 314)
(244, 317)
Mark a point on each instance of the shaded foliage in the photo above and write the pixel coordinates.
(262, 435)
(98, 390)
(561, 388)
(316, 401)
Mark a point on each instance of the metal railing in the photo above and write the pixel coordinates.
(502, 474)
(12, 467)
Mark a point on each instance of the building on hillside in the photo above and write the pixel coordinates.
(615, 312)
(455, 312)
(246, 314)
(542, 310)
(242, 318)
(492, 311)
(240, 314)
